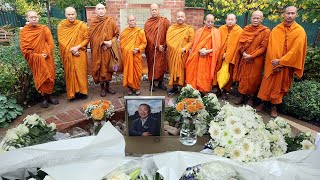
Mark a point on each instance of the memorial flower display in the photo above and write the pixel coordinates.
(34, 130)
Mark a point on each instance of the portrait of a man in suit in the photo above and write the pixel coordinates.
(145, 125)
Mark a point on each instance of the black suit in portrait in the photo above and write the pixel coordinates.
(151, 125)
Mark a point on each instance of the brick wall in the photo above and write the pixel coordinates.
(194, 16)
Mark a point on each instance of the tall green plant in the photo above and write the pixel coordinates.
(76, 3)
(9, 110)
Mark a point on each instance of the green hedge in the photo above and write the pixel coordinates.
(16, 79)
(312, 65)
(303, 101)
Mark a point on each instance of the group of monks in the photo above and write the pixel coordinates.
(263, 62)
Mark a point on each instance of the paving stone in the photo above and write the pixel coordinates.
(65, 117)
(54, 120)
(76, 114)
(117, 104)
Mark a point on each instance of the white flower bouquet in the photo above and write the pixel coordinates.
(33, 130)
(99, 109)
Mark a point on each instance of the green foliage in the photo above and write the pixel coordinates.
(16, 79)
(303, 101)
(76, 3)
(9, 110)
(23, 6)
(295, 143)
(312, 65)
(195, 3)
(171, 115)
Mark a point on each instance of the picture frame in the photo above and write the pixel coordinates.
(144, 115)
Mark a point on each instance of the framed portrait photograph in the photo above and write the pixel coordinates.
(144, 115)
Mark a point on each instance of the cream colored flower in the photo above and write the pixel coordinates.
(196, 93)
(237, 154)
(215, 132)
(232, 120)
(219, 151)
(22, 130)
(307, 145)
(247, 147)
(237, 130)
(53, 126)
(12, 135)
(32, 120)
(308, 133)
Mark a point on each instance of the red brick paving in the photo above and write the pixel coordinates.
(76, 114)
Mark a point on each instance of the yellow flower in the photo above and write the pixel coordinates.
(97, 113)
(105, 106)
(180, 106)
(199, 105)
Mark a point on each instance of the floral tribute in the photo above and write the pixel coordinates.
(99, 110)
(239, 133)
(34, 130)
(189, 107)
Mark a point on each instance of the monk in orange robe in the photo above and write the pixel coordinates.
(179, 41)
(286, 55)
(201, 63)
(73, 37)
(103, 32)
(37, 46)
(230, 33)
(156, 29)
(132, 42)
(249, 58)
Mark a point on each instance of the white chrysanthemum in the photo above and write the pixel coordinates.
(237, 154)
(22, 130)
(215, 132)
(200, 128)
(307, 145)
(219, 151)
(308, 134)
(196, 93)
(53, 126)
(12, 135)
(31, 120)
(231, 120)
(215, 171)
(272, 125)
(237, 130)
(247, 146)
(47, 177)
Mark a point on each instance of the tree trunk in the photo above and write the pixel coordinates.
(48, 14)
(246, 18)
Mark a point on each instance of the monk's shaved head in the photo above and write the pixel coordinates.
(100, 10)
(231, 20)
(71, 14)
(181, 17)
(32, 18)
(290, 15)
(291, 8)
(131, 21)
(257, 13)
(154, 10)
(209, 22)
(32, 12)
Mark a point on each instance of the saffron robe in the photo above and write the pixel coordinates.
(34, 41)
(71, 34)
(131, 38)
(101, 29)
(178, 37)
(200, 69)
(156, 30)
(253, 41)
(229, 41)
(289, 44)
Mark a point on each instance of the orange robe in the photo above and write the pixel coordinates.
(229, 40)
(253, 41)
(200, 69)
(289, 44)
(132, 38)
(178, 37)
(72, 34)
(101, 29)
(35, 40)
(156, 30)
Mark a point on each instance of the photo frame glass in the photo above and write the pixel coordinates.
(144, 115)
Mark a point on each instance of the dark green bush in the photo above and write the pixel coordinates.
(312, 65)
(9, 110)
(303, 101)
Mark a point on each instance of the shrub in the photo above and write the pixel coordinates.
(9, 110)
(303, 101)
(312, 65)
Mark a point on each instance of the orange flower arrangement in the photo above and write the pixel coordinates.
(99, 109)
(189, 106)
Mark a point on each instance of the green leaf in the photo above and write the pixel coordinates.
(34, 131)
